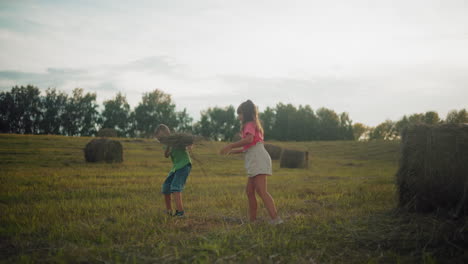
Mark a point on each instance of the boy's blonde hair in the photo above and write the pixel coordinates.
(161, 127)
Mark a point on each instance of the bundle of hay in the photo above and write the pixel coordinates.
(179, 140)
(274, 151)
(294, 159)
(107, 132)
(433, 173)
(103, 149)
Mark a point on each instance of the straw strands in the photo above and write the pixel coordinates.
(433, 172)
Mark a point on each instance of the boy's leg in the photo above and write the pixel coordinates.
(167, 198)
(166, 190)
(178, 201)
(261, 188)
(250, 191)
(177, 185)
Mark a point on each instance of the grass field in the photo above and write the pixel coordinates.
(56, 208)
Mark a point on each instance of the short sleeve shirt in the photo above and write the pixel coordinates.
(251, 128)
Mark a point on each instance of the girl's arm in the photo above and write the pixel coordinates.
(245, 141)
(236, 151)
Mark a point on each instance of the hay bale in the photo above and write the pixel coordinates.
(178, 140)
(433, 172)
(103, 149)
(107, 132)
(294, 159)
(274, 151)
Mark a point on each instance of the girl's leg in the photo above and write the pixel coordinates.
(178, 201)
(261, 188)
(167, 198)
(250, 191)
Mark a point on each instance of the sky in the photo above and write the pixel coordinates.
(376, 60)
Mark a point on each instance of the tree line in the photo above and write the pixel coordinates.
(24, 110)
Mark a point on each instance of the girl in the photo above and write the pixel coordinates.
(257, 160)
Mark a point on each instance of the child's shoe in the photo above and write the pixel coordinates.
(179, 213)
(276, 221)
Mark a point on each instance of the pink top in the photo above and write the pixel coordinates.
(251, 128)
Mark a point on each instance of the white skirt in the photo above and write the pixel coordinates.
(257, 160)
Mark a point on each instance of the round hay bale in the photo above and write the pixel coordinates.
(103, 149)
(294, 159)
(178, 140)
(107, 132)
(274, 151)
(433, 172)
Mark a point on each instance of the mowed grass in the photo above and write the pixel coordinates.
(57, 208)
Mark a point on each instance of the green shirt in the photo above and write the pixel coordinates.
(180, 158)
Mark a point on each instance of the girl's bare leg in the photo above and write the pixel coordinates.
(261, 188)
(178, 201)
(250, 191)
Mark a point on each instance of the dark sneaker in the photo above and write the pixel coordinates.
(179, 213)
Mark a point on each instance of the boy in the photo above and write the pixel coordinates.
(175, 181)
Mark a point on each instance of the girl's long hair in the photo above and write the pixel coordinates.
(249, 112)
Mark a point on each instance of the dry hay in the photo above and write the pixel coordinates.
(180, 140)
(294, 159)
(274, 151)
(433, 173)
(103, 149)
(107, 132)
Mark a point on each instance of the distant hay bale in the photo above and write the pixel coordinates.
(179, 140)
(103, 149)
(294, 159)
(274, 151)
(433, 173)
(107, 132)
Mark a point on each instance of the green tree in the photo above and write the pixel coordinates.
(184, 121)
(116, 115)
(53, 108)
(283, 128)
(155, 108)
(81, 116)
(358, 130)
(386, 131)
(21, 109)
(457, 117)
(268, 118)
(346, 127)
(218, 123)
(329, 124)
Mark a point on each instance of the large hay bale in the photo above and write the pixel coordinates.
(274, 151)
(294, 159)
(107, 132)
(433, 173)
(103, 149)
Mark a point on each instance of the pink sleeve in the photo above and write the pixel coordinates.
(249, 128)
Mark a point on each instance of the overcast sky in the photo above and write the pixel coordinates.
(375, 60)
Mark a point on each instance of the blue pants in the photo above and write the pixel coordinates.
(175, 181)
